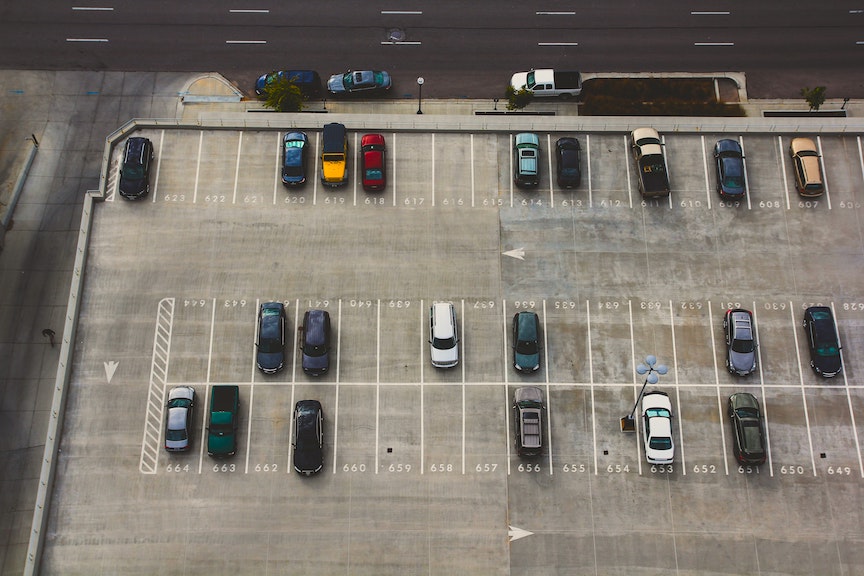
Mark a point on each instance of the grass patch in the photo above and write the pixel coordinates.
(653, 97)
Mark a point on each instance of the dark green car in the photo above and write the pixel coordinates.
(526, 342)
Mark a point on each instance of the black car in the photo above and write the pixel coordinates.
(568, 153)
(295, 149)
(135, 168)
(729, 161)
(315, 342)
(308, 437)
(528, 420)
(749, 434)
(271, 337)
(823, 341)
(740, 341)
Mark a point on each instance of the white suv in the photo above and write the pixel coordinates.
(443, 335)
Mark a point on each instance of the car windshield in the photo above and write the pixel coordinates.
(374, 174)
(660, 443)
(746, 412)
(175, 435)
(658, 412)
(179, 403)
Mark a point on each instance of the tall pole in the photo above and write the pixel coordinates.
(420, 95)
(651, 370)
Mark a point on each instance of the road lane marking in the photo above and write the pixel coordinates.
(547, 13)
(713, 43)
(86, 39)
(718, 13)
(248, 11)
(402, 12)
(92, 9)
(245, 41)
(557, 43)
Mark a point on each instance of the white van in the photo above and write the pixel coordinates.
(443, 335)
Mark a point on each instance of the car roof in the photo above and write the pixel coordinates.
(444, 328)
(527, 325)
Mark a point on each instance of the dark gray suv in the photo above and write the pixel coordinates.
(315, 342)
(135, 168)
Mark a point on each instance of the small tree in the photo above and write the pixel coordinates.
(518, 99)
(815, 97)
(283, 95)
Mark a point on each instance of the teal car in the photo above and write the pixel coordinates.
(526, 342)
(526, 160)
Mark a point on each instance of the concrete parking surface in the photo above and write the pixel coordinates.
(420, 473)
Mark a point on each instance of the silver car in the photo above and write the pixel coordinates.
(178, 420)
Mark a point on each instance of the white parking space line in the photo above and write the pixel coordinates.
(510, 171)
(464, 361)
(717, 381)
(277, 175)
(212, 332)
(860, 156)
(848, 394)
(203, 432)
(155, 192)
(803, 390)
(294, 340)
(668, 174)
(237, 168)
(393, 166)
(746, 178)
(591, 382)
(627, 166)
(198, 166)
(824, 172)
(288, 466)
(633, 363)
(783, 170)
(433, 169)
(588, 165)
(377, 381)
(472, 170)
(357, 155)
(336, 401)
(762, 392)
(551, 179)
(317, 168)
(423, 343)
(505, 387)
(705, 172)
(548, 396)
(677, 389)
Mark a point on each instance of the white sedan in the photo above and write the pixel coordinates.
(657, 428)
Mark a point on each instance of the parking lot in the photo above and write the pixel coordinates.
(420, 471)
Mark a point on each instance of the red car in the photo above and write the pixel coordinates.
(373, 154)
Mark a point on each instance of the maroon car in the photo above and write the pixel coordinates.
(373, 155)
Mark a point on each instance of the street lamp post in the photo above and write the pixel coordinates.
(420, 94)
(651, 370)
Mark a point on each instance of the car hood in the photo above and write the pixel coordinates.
(526, 362)
(316, 364)
(742, 362)
(270, 362)
(828, 365)
(445, 357)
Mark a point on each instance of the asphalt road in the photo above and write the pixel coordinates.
(461, 49)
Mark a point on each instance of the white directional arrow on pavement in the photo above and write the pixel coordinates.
(516, 253)
(517, 533)
(110, 368)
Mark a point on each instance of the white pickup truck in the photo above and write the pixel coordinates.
(545, 83)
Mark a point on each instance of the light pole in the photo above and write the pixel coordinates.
(651, 370)
(420, 94)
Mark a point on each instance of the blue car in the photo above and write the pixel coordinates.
(308, 81)
(526, 342)
(271, 337)
(729, 161)
(359, 81)
(295, 149)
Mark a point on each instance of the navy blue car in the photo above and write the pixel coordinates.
(271, 337)
(295, 149)
(308, 81)
(729, 161)
(315, 342)
(308, 437)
